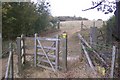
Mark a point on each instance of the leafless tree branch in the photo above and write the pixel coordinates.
(94, 6)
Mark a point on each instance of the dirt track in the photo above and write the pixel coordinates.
(77, 67)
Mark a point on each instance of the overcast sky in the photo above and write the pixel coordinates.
(75, 7)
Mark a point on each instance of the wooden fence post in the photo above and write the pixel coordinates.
(81, 25)
(0, 45)
(94, 23)
(11, 65)
(64, 51)
(58, 24)
(57, 53)
(23, 49)
(19, 55)
(35, 48)
(93, 37)
(108, 35)
(113, 62)
(58, 50)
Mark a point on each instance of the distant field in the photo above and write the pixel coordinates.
(87, 23)
(72, 27)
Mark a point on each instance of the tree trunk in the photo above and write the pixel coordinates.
(118, 33)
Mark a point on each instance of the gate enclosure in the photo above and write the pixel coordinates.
(45, 52)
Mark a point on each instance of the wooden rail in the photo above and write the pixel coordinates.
(88, 57)
(84, 42)
(9, 70)
(97, 55)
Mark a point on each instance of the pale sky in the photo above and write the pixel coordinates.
(75, 7)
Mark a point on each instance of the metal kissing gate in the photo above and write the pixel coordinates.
(46, 56)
